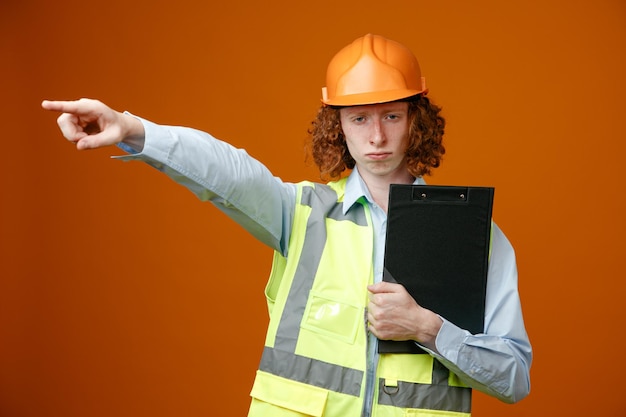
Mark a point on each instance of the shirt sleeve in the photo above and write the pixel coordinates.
(215, 171)
(498, 361)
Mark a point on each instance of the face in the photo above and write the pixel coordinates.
(377, 136)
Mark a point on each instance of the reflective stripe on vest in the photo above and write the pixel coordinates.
(427, 396)
(282, 360)
(323, 203)
(311, 371)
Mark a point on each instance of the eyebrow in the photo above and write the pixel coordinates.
(363, 109)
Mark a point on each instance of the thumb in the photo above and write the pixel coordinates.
(95, 141)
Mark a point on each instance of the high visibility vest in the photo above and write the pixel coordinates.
(314, 360)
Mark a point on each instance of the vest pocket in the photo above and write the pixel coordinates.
(333, 318)
(272, 393)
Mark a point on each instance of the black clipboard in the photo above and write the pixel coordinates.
(437, 246)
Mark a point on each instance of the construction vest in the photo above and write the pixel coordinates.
(314, 360)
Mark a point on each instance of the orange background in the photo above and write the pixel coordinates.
(122, 295)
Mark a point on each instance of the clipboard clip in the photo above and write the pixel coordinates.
(448, 194)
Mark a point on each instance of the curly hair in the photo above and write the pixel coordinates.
(330, 152)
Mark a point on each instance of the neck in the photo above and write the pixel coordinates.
(378, 186)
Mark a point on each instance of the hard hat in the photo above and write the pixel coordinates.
(370, 70)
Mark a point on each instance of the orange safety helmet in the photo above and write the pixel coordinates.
(370, 70)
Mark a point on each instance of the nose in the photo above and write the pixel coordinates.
(377, 135)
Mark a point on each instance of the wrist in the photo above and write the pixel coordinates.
(133, 133)
(429, 329)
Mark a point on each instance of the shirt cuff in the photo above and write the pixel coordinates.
(157, 144)
(449, 339)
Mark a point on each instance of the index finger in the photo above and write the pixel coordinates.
(383, 287)
(76, 106)
(62, 106)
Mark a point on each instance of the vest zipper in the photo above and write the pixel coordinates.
(368, 395)
(371, 348)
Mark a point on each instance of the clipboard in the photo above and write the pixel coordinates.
(437, 247)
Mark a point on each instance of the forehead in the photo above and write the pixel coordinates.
(376, 108)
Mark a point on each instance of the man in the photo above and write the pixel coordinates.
(327, 304)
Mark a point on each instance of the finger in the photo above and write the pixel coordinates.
(70, 127)
(370, 316)
(382, 287)
(372, 329)
(61, 106)
(81, 106)
(100, 139)
(49, 104)
(375, 300)
(371, 323)
(92, 142)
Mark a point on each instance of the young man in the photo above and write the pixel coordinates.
(328, 306)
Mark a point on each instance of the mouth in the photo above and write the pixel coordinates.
(377, 156)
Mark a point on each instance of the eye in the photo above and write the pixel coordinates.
(358, 119)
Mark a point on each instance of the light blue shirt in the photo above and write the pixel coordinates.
(496, 362)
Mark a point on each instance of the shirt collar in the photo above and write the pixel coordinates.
(356, 190)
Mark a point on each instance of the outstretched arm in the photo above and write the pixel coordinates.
(91, 124)
(214, 170)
